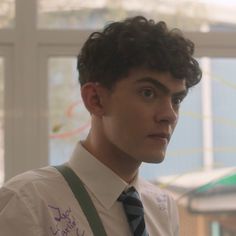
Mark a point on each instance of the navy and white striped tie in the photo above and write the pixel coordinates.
(134, 211)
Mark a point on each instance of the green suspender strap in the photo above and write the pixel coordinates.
(83, 199)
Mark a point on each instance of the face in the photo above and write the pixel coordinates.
(141, 113)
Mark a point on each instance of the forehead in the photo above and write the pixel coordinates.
(163, 80)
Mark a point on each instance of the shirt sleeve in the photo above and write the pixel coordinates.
(16, 217)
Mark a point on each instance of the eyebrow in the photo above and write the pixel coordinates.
(161, 86)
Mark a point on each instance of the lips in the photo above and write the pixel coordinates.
(164, 136)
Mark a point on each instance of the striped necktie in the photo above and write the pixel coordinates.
(134, 211)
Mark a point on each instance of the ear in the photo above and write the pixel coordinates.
(92, 95)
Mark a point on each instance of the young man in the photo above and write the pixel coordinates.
(133, 75)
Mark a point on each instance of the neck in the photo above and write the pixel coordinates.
(119, 162)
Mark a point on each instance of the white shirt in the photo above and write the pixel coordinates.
(40, 203)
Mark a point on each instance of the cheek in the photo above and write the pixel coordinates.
(130, 125)
(127, 119)
(124, 123)
(133, 117)
(121, 126)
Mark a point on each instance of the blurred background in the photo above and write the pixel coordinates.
(42, 115)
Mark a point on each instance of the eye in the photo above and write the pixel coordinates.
(147, 93)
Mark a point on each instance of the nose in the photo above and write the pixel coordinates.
(167, 112)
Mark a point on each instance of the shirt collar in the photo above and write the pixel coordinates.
(98, 178)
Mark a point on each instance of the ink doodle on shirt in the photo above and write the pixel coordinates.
(65, 223)
(162, 202)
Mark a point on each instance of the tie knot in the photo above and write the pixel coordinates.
(130, 193)
(134, 211)
(131, 198)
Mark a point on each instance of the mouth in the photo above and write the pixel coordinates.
(164, 137)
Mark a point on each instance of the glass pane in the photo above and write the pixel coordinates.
(1, 120)
(69, 120)
(224, 112)
(7, 13)
(205, 15)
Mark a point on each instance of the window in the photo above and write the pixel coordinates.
(190, 15)
(215, 229)
(7, 13)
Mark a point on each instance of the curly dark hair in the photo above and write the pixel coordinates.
(107, 56)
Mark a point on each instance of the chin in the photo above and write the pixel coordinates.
(154, 161)
(154, 158)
